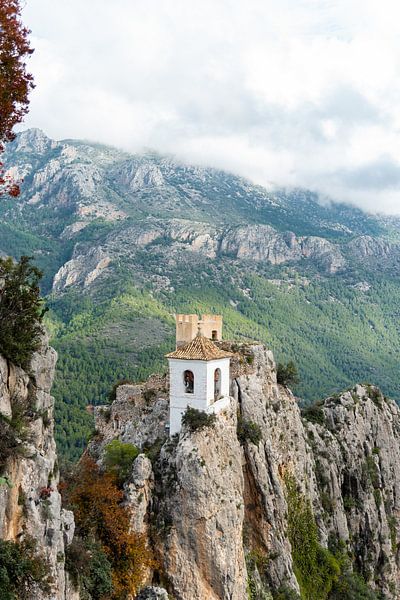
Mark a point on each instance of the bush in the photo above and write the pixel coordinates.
(22, 571)
(21, 310)
(248, 431)
(13, 433)
(287, 374)
(119, 457)
(89, 568)
(314, 413)
(9, 443)
(286, 593)
(197, 419)
(315, 567)
(352, 587)
(153, 452)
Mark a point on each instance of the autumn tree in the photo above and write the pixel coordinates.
(15, 81)
(101, 516)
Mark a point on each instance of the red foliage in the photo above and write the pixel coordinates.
(15, 82)
(45, 493)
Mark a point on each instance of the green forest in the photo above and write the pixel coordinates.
(337, 335)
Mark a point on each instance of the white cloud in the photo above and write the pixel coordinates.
(295, 92)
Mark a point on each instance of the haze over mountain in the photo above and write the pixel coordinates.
(127, 240)
(296, 93)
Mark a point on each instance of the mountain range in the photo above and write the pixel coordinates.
(125, 241)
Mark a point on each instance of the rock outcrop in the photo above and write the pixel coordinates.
(30, 504)
(215, 510)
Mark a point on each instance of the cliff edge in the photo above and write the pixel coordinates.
(30, 504)
(247, 507)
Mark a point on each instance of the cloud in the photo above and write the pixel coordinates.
(290, 93)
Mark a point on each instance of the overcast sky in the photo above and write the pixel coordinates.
(285, 92)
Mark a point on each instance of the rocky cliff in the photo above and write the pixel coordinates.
(230, 510)
(30, 504)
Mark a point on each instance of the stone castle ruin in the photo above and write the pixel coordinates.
(188, 326)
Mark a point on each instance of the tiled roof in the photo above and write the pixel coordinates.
(200, 348)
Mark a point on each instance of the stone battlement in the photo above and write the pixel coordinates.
(188, 326)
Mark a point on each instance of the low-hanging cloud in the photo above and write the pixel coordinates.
(289, 93)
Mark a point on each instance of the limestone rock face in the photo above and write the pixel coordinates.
(263, 243)
(32, 505)
(356, 451)
(153, 593)
(138, 493)
(258, 243)
(82, 269)
(215, 509)
(202, 516)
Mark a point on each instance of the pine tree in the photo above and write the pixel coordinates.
(21, 310)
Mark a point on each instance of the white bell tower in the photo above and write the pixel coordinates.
(199, 377)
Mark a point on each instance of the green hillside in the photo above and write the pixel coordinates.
(337, 335)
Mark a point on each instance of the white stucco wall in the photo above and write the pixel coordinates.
(203, 394)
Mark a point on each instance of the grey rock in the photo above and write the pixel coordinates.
(153, 593)
(32, 506)
(214, 502)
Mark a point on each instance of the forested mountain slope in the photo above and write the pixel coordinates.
(125, 241)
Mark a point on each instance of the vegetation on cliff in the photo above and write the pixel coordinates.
(117, 558)
(21, 310)
(322, 573)
(23, 571)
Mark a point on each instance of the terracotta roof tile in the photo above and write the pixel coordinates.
(200, 348)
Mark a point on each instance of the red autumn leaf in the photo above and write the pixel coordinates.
(15, 81)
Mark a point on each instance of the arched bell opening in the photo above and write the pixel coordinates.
(217, 384)
(188, 381)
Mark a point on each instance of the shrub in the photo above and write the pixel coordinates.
(153, 452)
(21, 310)
(286, 593)
(315, 567)
(257, 589)
(89, 568)
(149, 395)
(352, 587)
(248, 431)
(197, 419)
(370, 473)
(314, 413)
(119, 457)
(287, 374)
(22, 571)
(9, 443)
(13, 433)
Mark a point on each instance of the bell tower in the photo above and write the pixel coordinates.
(199, 377)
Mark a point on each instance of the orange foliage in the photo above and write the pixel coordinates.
(99, 513)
